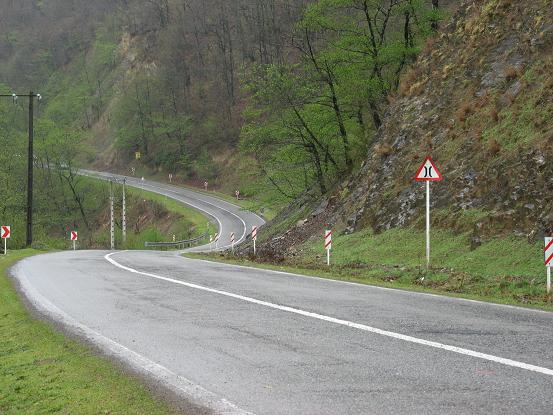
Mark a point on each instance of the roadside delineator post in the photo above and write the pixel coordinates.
(254, 238)
(5, 233)
(74, 237)
(328, 245)
(232, 240)
(428, 172)
(548, 251)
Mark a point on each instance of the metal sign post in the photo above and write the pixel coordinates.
(74, 236)
(328, 245)
(112, 221)
(124, 218)
(254, 238)
(5, 233)
(428, 172)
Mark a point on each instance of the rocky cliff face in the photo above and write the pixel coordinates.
(480, 101)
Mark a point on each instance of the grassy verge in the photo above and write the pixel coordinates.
(189, 224)
(507, 270)
(42, 371)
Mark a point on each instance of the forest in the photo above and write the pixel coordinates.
(279, 97)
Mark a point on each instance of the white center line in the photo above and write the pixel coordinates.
(398, 336)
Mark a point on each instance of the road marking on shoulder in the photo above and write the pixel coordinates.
(371, 287)
(363, 327)
(179, 384)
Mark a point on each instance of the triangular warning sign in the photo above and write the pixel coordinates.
(428, 171)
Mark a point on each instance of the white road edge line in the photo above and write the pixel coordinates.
(370, 287)
(182, 386)
(398, 336)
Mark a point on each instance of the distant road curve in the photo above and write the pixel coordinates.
(228, 217)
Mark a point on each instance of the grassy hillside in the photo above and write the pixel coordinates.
(478, 99)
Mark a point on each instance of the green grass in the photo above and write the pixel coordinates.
(196, 221)
(43, 372)
(503, 270)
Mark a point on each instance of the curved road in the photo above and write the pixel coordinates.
(238, 340)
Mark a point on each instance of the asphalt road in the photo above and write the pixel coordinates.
(228, 217)
(239, 340)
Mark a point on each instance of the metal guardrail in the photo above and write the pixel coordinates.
(177, 244)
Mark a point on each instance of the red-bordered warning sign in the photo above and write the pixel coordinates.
(6, 232)
(428, 171)
(548, 251)
(328, 240)
(74, 236)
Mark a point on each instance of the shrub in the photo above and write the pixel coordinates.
(493, 146)
(464, 112)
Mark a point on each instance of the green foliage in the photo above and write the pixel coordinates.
(309, 123)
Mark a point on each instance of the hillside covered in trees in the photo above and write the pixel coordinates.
(275, 96)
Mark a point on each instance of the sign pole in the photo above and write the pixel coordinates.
(124, 222)
(328, 257)
(74, 248)
(112, 224)
(428, 172)
(428, 225)
(5, 247)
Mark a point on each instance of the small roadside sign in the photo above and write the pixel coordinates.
(328, 245)
(74, 237)
(428, 171)
(254, 238)
(5, 233)
(138, 155)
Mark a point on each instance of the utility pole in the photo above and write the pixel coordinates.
(112, 224)
(124, 221)
(30, 161)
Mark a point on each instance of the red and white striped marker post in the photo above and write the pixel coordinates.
(5, 233)
(328, 245)
(232, 240)
(74, 237)
(254, 238)
(548, 251)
